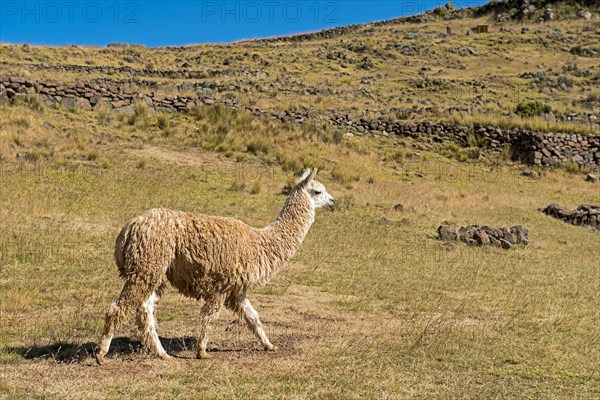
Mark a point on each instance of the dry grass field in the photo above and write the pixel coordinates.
(373, 305)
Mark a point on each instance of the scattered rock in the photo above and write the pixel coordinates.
(584, 13)
(398, 207)
(476, 235)
(366, 64)
(528, 172)
(592, 178)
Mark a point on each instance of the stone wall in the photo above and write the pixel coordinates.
(153, 73)
(530, 147)
(585, 215)
(534, 148)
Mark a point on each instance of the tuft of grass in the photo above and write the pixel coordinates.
(572, 167)
(141, 115)
(344, 174)
(258, 146)
(255, 187)
(237, 185)
(35, 102)
(104, 114)
(18, 140)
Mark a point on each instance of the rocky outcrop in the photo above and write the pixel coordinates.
(584, 215)
(535, 148)
(476, 235)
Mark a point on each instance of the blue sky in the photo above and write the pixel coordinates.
(161, 23)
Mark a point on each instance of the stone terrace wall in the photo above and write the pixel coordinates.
(153, 73)
(530, 147)
(345, 30)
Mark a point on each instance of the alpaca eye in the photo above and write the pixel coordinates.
(317, 192)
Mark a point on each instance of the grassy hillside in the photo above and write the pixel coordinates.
(415, 68)
(373, 306)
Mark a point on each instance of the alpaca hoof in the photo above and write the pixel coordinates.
(100, 358)
(166, 357)
(203, 355)
(271, 348)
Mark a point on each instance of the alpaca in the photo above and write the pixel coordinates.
(215, 259)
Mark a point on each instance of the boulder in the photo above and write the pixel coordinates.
(68, 102)
(83, 103)
(448, 233)
(127, 110)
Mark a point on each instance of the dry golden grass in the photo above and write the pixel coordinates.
(371, 307)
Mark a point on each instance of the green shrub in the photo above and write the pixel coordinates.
(531, 108)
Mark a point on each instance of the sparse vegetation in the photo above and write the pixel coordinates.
(372, 306)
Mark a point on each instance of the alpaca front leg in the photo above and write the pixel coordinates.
(209, 314)
(253, 321)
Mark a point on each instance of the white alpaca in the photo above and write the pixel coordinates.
(205, 257)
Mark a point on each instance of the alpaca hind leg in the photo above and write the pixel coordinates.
(130, 298)
(253, 321)
(209, 314)
(146, 323)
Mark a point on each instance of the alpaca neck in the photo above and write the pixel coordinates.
(285, 235)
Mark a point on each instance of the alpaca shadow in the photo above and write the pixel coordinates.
(70, 353)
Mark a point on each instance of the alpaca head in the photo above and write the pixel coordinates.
(316, 191)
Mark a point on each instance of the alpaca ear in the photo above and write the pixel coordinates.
(307, 177)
